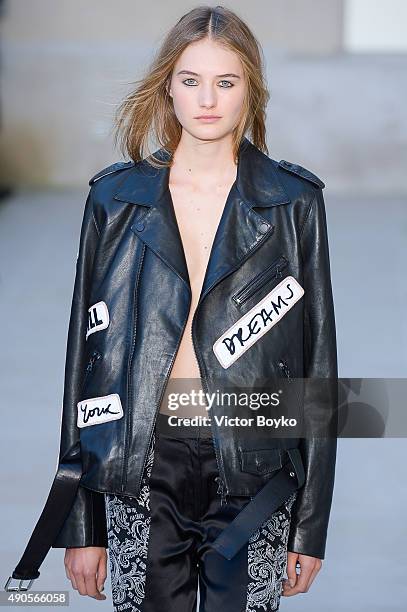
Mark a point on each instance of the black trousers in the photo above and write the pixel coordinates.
(159, 542)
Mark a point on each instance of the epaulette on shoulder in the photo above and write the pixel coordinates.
(116, 167)
(301, 171)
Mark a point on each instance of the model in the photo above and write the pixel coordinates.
(205, 264)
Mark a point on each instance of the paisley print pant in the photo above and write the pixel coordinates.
(159, 542)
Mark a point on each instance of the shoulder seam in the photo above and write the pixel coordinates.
(95, 222)
(93, 212)
(302, 172)
(116, 167)
(307, 215)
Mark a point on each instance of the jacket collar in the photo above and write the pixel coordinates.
(241, 229)
(257, 181)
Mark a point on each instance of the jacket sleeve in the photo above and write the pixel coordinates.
(311, 510)
(85, 525)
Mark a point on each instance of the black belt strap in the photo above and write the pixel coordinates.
(287, 480)
(56, 510)
(228, 543)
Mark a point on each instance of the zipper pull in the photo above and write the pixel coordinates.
(283, 365)
(95, 357)
(221, 490)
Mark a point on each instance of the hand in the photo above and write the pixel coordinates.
(86, 568)
(300, 583)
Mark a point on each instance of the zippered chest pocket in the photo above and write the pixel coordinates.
(259, 280)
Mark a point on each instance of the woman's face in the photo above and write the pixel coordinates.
(208, 80)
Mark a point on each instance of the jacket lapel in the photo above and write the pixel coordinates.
(240, 231)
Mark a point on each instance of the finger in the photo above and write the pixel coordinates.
(74, 583)
(292, 559)
(80, 582)
(302, 580)
(91, 588)
(101, 573)
(66, 566)
(68, 569)
(71, 577)
(313, 574)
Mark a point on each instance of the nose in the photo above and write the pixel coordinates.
(207, 96)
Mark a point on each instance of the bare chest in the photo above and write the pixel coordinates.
(198, 215)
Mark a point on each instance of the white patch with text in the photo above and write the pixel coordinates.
(98, 318)
(95, 410)
(260, 319)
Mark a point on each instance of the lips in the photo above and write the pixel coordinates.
(208, 119)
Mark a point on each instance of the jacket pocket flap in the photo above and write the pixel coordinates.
(260, 461)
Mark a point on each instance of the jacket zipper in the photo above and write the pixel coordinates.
(134, 324)
(283, 365)
(273, 271)
(222, 488)
(94, 357)
(161, 396)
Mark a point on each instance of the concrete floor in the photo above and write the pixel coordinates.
(365, 565)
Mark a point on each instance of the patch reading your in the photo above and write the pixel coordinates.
(95, 410)
(260, 319)
(98, 318)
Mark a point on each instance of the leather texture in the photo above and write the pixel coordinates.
(131, 257)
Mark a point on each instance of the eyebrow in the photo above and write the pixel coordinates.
(230, 74)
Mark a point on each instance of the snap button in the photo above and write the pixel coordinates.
(292, 474)
(139, 226)
(263, 228)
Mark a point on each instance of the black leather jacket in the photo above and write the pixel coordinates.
(130, 305)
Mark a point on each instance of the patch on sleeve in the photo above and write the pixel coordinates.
(98, 318)
(95, 410)
(235, 341)
(301, 171)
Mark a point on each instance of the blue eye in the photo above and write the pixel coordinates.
(228, 86)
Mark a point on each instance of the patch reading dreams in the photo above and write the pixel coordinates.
(97, 410)
(98, 318)
(260, 319)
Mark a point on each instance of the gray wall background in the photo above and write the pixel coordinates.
(338, 86)
(65, 66)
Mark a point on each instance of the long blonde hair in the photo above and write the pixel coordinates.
(148, 108)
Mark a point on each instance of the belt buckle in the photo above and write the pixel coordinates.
(20, 588)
